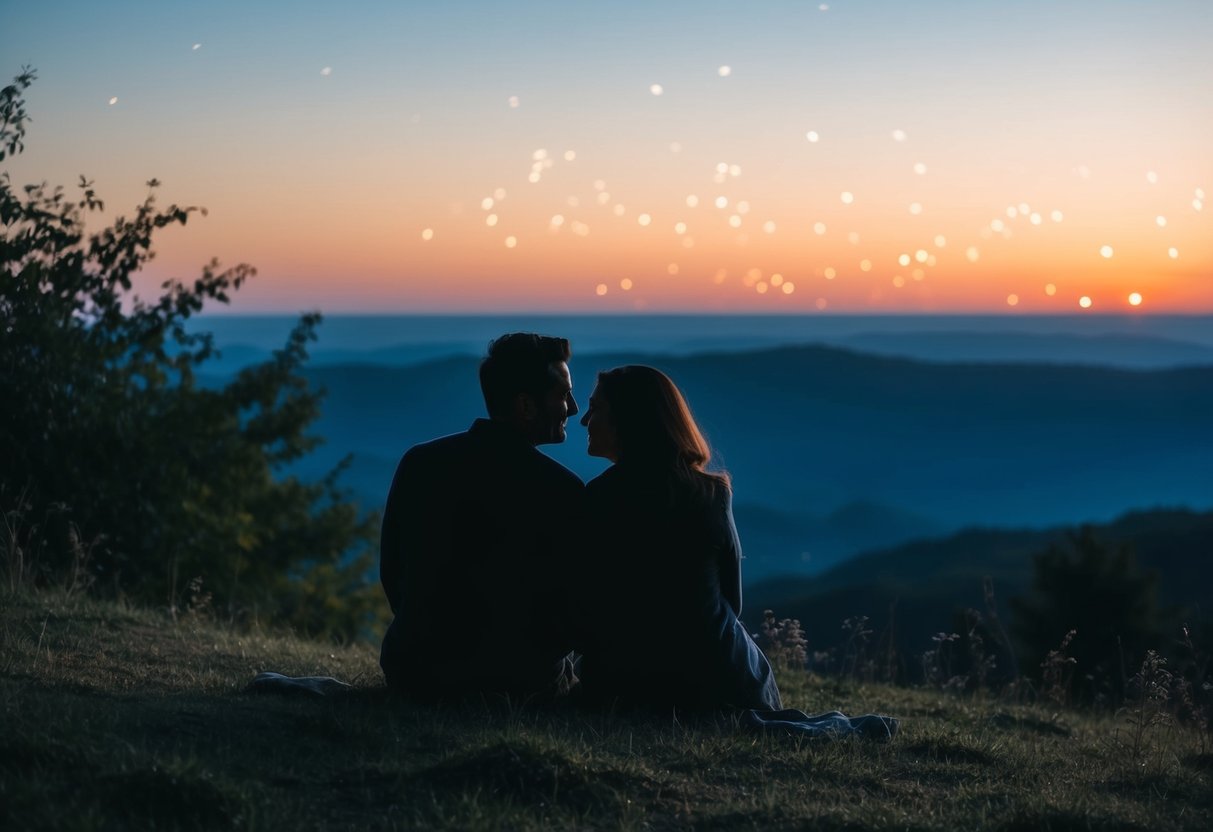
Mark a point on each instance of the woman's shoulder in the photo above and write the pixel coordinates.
(634, 485)
(604, 482)
(699, 488)
(715, 488)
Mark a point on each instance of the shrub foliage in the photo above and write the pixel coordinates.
(1093, 600)
(117, 468)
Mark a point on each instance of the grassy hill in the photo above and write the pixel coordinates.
(123, 719)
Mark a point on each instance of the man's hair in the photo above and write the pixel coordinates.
(519, 362)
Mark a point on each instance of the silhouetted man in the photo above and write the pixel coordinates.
(477, 536)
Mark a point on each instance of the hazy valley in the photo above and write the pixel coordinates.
(834, 452)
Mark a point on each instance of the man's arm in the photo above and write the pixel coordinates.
(392, 543)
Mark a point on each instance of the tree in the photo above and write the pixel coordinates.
(116, 467)
(1097, 592)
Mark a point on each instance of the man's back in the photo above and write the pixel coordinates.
(477, 538)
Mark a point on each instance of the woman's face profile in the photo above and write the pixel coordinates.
(601, 439)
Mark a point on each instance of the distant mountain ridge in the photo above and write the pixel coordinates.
(777, 541)
(1109, 350)
(807, 431)
(1126, 351)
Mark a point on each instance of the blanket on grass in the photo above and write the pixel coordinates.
(832, 725)
(268, 682)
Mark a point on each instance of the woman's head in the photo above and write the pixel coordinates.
(637, 413)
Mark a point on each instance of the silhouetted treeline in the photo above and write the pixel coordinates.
(996, 602)
(119, 472)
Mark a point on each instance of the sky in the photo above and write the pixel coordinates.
(783, 157)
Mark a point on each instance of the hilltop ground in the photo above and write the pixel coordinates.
(117, 719)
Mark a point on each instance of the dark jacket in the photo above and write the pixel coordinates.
(477, 537)
(663, 593)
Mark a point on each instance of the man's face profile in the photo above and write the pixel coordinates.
(555, 407)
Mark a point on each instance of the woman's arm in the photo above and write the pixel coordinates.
(730, 559)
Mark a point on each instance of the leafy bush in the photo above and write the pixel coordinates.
(1095, 598)
(116, 466)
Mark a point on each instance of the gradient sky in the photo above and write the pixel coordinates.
(541, 156)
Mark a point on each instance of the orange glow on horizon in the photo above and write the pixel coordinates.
(553, 250)
(431, 184)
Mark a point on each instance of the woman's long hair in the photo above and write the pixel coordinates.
(654, 426)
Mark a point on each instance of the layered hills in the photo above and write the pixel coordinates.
(834, 452)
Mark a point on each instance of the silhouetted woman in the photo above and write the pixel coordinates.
(663, 582)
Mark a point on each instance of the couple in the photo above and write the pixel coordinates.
(500, 566)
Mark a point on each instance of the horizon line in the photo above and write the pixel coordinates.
(621, 313)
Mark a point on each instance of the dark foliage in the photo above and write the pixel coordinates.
(912, 591)
(117, 469)
(1097, 591)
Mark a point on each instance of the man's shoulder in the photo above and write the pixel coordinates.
(439, 452)
(443, 444)
(477, 449)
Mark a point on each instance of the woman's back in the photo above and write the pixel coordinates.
(663, 591)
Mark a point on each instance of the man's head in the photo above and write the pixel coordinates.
(526, 383)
